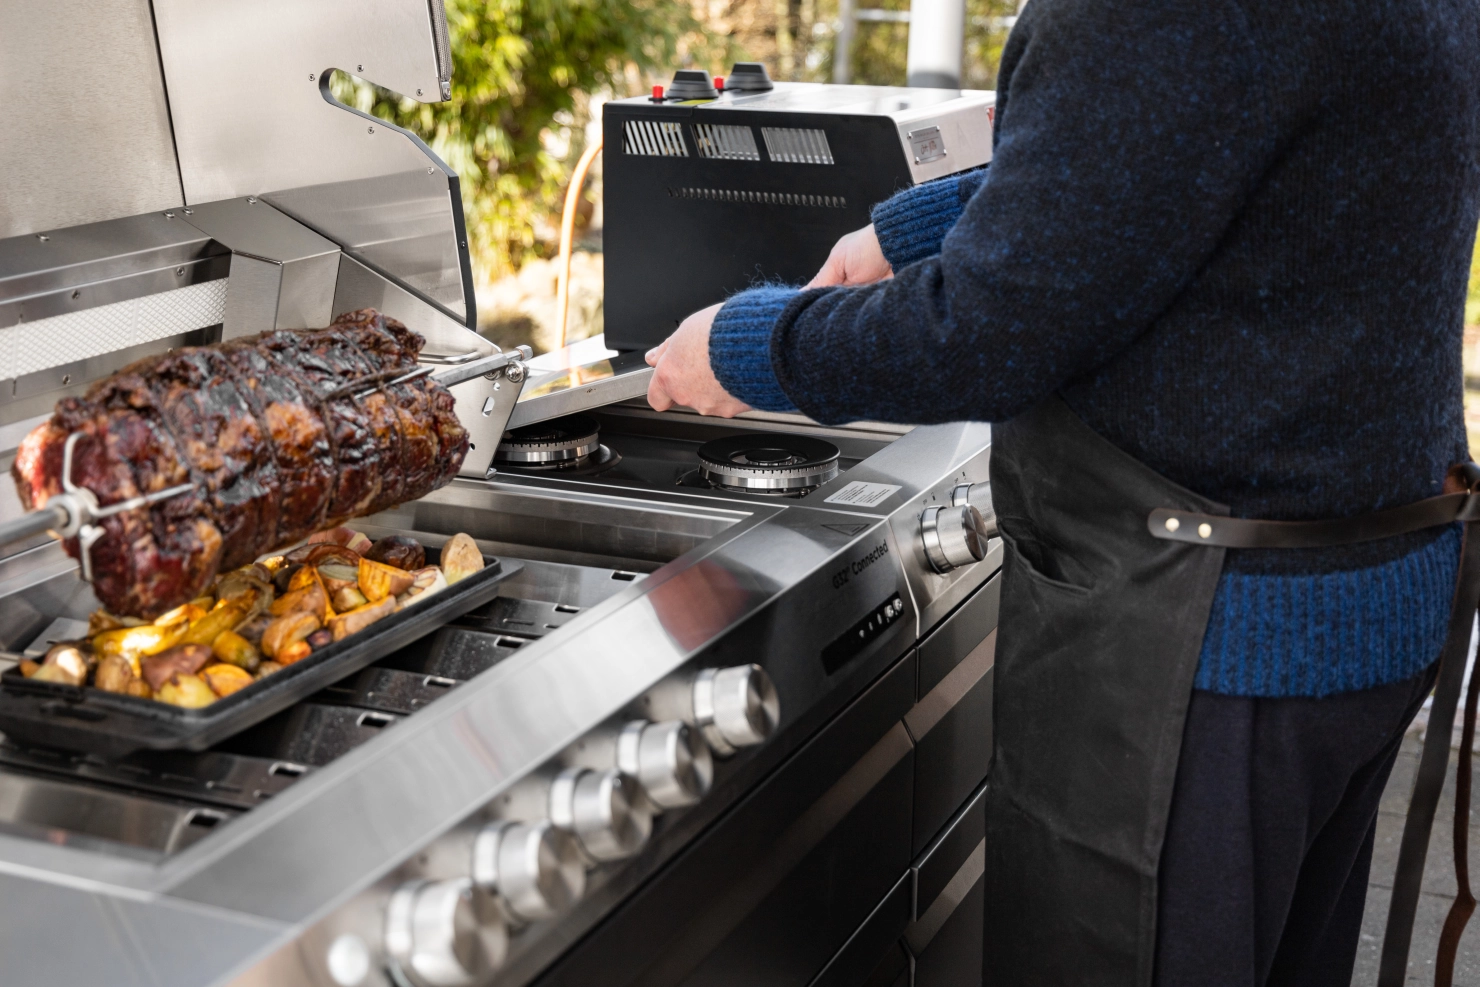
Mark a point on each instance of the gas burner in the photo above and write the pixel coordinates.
(775, 464)
(571, 443)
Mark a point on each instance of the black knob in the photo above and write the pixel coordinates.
(749, 77)
(692, 84)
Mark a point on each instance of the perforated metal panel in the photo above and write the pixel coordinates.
(31, 346)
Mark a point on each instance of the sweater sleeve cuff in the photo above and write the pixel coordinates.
(911, 224)
(740, 347)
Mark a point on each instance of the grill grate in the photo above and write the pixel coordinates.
(794, 145)
(747, 196)
(650, 137)
(730, 143)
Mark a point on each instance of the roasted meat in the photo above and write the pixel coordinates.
(271, 432)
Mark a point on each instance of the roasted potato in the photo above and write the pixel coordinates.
(251, 629)
(135, 642)
(205, 630)
(77, 658)
(27, 667)
(189, 691)
(185, 659)
(114, 674)
(185, 613)
(225, 679)
(139, 689)
(267, 668)
(320, 638)
(399, 551)
(460, 558)
(348, 598)
(101, 620)
(287, 631)
(57, 674)
(310, 599)
(362, 617)
(379, 581)
(233, 649)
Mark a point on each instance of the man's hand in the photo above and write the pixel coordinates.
(683, 375)
(855, 259)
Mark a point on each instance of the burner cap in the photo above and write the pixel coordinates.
(559, 440)
(768, 463)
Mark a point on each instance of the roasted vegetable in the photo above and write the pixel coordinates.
(57, 674)
(460, 558)
(189, 691)
(425, 582)
(320, 554)
(337, 576)
(101, 620)
(186, 659)
(225, 679)
(267, 668)
(77, 659)
(361, 617)
(284, 575)
(347, 537)
(320, 638)
(183, 614)
(114, 674)
(139, 689)
(379, 581)
(135, 642)
(205, 630)
(251, 629)
(206, 603)
(27, 667)
(250, 587)
(287, 631)
(348, 598)
(399, 551)
(233, 649)
(310, 599)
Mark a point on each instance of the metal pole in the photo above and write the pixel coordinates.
(843, 43)
(937, 39)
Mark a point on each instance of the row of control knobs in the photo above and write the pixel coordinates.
(957, 535)
(449, 933)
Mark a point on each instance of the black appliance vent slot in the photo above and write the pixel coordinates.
(725, 141)
(746, 196)
(794, 145)
(654, 138)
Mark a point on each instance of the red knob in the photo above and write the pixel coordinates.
(657, 93)
(719, 82)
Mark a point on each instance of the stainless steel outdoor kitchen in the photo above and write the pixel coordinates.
(722, 713)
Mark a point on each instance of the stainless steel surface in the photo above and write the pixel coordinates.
(535, 868)
(603, 377)
(763, 464)
(248, 88)
(89, 129)
(937, 43)
(735, 707)
(282, 273)
(603, 810)
(978, 495)
(953, 536)
(439, 936)
(670, 760)
(585, 644)
(36, 522)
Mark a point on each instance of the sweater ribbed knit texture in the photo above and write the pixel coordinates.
(1235, 238)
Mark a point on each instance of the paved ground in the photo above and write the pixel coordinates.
(1439, 884)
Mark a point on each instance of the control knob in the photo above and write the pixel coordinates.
(603, 810)
(956, 535)
(735, 707)
(669, 760)
(534, 867)
(444, 934)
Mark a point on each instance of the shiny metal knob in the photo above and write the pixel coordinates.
(443, 934)
(953, 536)
(536, 868)
(670, 761)
(603, 810)
(735, 707)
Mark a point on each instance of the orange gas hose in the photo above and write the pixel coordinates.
(567, 234)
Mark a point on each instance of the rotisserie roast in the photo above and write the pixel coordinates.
(275, 434)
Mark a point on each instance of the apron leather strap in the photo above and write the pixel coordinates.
(1461, 502)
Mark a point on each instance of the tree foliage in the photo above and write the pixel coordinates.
(521, 69)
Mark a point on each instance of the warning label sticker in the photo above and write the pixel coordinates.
(860, 494)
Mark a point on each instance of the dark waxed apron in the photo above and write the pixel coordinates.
(1104, 605)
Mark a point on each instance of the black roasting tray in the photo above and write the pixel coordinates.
(111, 725)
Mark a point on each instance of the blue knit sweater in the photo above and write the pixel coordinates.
(1235, 238)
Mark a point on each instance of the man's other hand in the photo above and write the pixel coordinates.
(683, 375)
(855, 259)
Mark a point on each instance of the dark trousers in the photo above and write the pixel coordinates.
(1264, 869)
